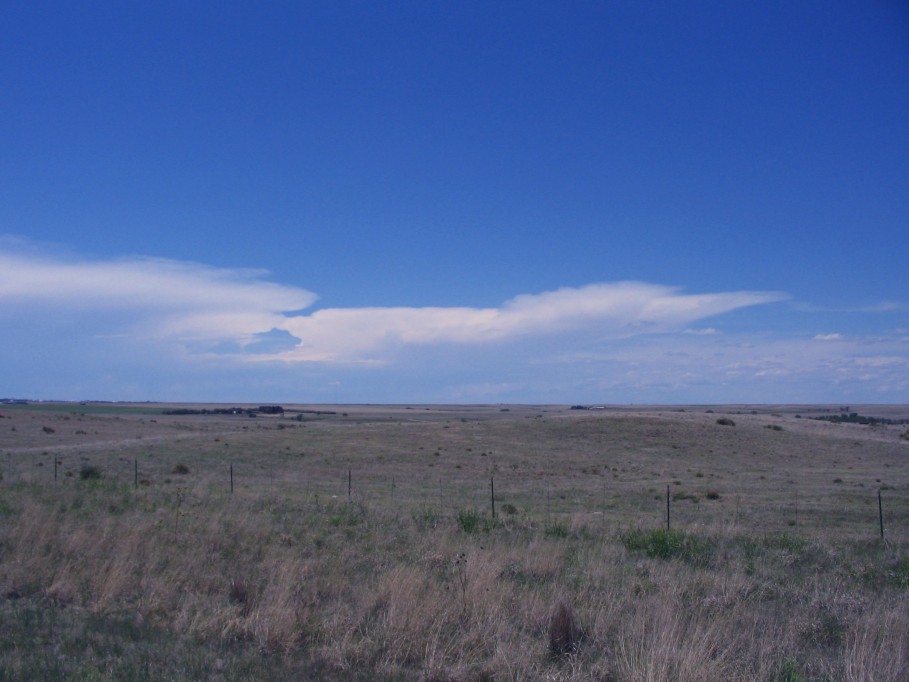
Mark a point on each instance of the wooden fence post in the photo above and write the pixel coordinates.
(668, 526)
(880, 512)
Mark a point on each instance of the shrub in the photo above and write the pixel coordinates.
(774, 427)
(563, 632)
(180, 469)
(90, 472)
(509, 508)
(725, 421)
(47, 429)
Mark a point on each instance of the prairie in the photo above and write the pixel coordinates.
(360, 542)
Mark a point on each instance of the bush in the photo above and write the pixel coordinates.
(90, 472)
(725, 421)
(180, 469)
(563, 633)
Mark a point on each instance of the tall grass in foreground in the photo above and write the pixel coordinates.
(100, 581)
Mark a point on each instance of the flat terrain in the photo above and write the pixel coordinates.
(359, 542)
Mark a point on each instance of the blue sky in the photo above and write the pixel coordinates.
(455, 201)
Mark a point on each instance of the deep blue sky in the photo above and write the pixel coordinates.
(408, 155)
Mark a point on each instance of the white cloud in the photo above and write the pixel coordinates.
(162, 299)
(198, 332)
(605, 310)
(221, 311)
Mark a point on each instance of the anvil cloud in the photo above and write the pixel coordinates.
(202, 308)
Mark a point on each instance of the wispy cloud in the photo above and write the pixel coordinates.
(750, 367)
(881, 307)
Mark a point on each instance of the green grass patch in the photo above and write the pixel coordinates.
(472, 521)
(557, 529)
(670, 544)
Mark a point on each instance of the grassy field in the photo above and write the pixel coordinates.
(361, 544)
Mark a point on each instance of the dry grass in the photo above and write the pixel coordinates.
(781, 576)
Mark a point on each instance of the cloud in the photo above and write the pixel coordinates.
(603, 310)
(876, 308)
(739, 367)
(216, 312)
(159, 299)
(138, 327)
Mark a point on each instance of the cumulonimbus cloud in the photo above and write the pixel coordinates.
(607, 310)
(155, 298)
(201, 306)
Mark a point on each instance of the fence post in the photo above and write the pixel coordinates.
(231, 477)
(880, 512)
(796, 507)
(668, 526)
